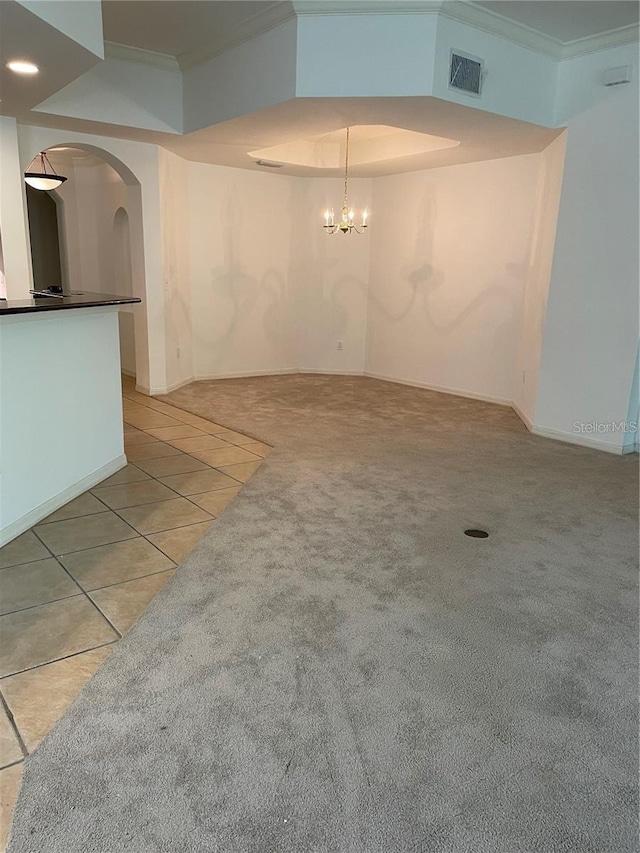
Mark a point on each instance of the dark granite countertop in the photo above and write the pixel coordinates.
(77, 299)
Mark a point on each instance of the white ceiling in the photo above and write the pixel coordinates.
(180, 28)
(567, 20)
(177, 27)
(482, 135)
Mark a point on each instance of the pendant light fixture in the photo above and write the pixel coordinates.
(347, 222)
(43, 180)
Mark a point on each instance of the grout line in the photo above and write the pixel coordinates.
(14, 726)
(86, 595)
(55, 660)
(6, 767)
(137, 577)
(42, 603)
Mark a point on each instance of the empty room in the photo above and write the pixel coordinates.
(319, 426)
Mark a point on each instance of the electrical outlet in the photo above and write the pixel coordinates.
(524, 376)
(177, 352)
(339, 346)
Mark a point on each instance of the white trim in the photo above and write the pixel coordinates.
(126, 53)
(27, 521)
(130, 373)
(456, 392)
(478, 17)
(526, 420)
(581, 440)
(457, 10)
(316, 370)
(601, 41)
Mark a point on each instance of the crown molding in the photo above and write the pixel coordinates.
(303, 8)
(462, 11)
(602, 41)
(273, 16)
(125, 53)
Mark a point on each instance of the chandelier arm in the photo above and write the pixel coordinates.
(345, 205)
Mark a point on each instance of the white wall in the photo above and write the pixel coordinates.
(13, 214)
(61, 413)
(543, 234)
(449, 265)
(249, 77)
(591, 329)
(331, 276)
(243, 300)
(518, 82)
(137, 162)
(365, 55)
(177, 221)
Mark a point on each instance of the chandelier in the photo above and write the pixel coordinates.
(43, 180)
(347, 223)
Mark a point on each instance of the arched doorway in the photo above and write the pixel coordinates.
(99, 238)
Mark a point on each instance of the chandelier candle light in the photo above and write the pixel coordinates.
(346, 224)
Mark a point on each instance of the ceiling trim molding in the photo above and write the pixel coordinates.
(366, 7)
(602, 41)
(276, 14)
(462, 11)
(126, 53)
(467, 12)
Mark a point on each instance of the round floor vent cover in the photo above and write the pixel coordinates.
(476, 534)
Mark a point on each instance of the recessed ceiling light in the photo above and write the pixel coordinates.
(21, 66)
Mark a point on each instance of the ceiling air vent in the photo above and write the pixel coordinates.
(465, 73)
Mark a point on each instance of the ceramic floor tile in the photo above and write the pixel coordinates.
(10, 779)
(148, 418)
(10, 750)
(132, 396)
(234, 437)
(123, 603)
(76, 534)
(183, 464)
(172, 411)
(110, 564)
(34, 583)
(133, 494)
(165, 515)
(259, 448)
(128, 474)
(86, 504)
(43, 634)
(181, 541)
(243, 471)
(215, 502)
(200, 423)
(206, 442)
(24, 549)
(225, 456)
(136, 436)
(150, 451)
(181, 431)
(199, 481)
(38, 697)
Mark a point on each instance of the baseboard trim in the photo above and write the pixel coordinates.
(578, 440)
(454, 392)
(126, 372)
(287, 371)
(526, 420)
(317, 372)
(21, 525)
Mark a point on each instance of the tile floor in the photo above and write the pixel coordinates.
(71, 586)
